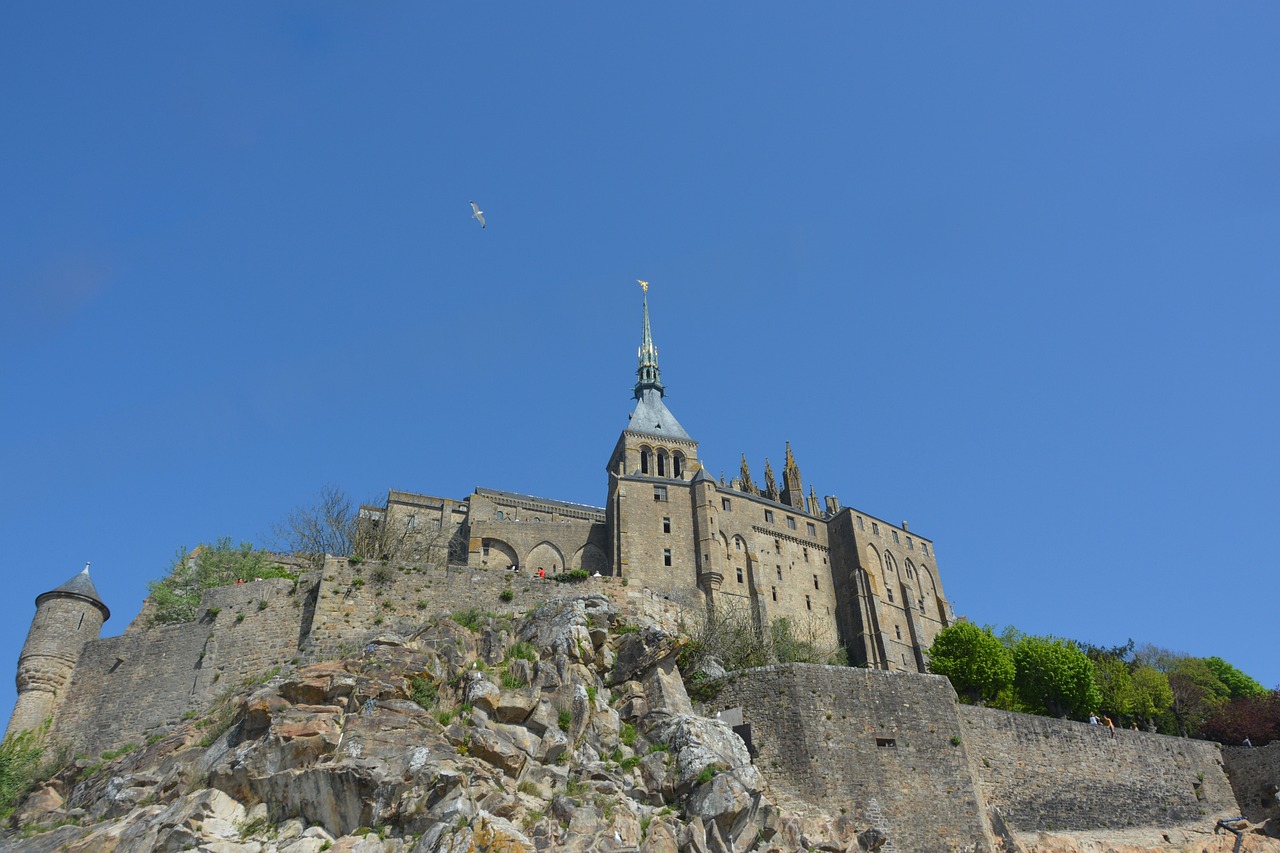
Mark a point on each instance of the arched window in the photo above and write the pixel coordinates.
(677, 464)
(662, 463)
(500, 515)
(644, 460)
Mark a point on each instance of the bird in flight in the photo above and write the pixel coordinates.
(477, 213)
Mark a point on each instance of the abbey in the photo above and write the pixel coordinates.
(667, 525)
(668, 532)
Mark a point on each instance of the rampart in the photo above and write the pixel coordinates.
(1043, 773)
(882, 746)
(1255, 778)
(125, 688)
(899, 752)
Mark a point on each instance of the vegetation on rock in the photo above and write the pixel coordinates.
(176, 596)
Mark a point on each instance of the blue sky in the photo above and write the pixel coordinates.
(1006, 271)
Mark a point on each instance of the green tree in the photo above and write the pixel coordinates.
(1054, 677)
(1197, 691)
(176, 596)
(974, 660)
(1115, 686)
(1237, 683)
(1152, 696)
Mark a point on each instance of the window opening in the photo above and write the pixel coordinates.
(666, 524)
(659, 493)
(813, 531)
(739, 574)
(666, 556)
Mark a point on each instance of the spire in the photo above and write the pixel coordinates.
(815, 508)
(792, 490)
(647, 376)
(745, 477)
(770, 487)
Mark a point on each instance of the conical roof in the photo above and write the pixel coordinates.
(652, 416)
(80, 586)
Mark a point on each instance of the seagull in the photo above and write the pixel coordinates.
(477, 214)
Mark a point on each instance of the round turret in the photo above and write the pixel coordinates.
(66, 618)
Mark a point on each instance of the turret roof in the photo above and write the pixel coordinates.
(652, 417)
(82, 586)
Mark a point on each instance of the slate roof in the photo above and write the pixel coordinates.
(652, 417)
(81, 585)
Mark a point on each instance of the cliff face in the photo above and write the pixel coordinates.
(567, 729)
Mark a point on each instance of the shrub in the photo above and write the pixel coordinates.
(574, 576)
(507, 595)
(20, 768)
(472, 618)
(565, 720)
(628, 734)
(708, 773)
(176, 596)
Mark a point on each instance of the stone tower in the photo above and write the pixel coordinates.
(66, 618)
(650, 508)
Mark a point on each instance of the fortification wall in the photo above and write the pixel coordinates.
(1043, 773)
(124, 687)
(874, 744)
(1255, 777)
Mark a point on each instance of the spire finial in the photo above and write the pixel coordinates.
(86, 567)
(647, 376)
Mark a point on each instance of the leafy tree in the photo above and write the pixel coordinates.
(1197, 691)
(1152, 696)
(1053, 676)
(1115, 686)
(176, 596)
(1254, 717)
(1237, 683)
(974, 660)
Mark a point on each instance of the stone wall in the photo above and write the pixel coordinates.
(1043, 773)
(1255, 777)
(126, 686)
(883, 747)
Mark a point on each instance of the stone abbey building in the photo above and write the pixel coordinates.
(846, 575)
(668, 530)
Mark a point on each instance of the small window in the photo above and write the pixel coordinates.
(536, 519)
(739, 574)
(924, 546)
(411, 522)
(890, 595)
(911, 546)
(922, 605)
(875, 528)
(813, 531)
(860, 522)
(777, 547)
(500, 515)
(897, 629)
(806, 555)
(791, 522)
(808, 604)
(737, 544)
(909, 575)
(774, 589)
(485, 549)
(666, 556)
(815, 582)
(666, 524)
(886, 742)
(779, 568)
(768, 516)
(895, 538)
(659, 493)
(726, 505)
(644, 462)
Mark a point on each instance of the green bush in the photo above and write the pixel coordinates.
(176, 596)
(507, 595)
(472, 618)
(20, 768)
(423, 692)
(575, 576)
(565, 720)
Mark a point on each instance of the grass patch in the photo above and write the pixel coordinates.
(423, 692)
(565, 720)
(472, 618)
(628, 734)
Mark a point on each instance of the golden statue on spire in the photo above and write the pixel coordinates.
(644, 285)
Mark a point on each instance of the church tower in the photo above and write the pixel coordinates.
(659, 521)
(66, 618)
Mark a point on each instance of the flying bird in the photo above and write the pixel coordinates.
(477, 214)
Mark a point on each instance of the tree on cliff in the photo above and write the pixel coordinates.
(325, 526)
(1237, 683)
(974, 660)
(176, 596)
(1152, 696)
(1054, 677)
(1254, 717)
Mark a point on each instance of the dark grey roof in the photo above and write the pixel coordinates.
(652, 417)
(82, 586)
(517, 496)
(702, 475)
